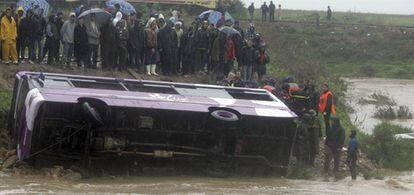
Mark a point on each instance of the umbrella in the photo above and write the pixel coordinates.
(229, 31)
(227, 16)
(100, 14)
(34, 4)
(126, 8)
(213, 16)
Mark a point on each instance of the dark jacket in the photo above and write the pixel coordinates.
(52, 31)
(26, 28)
(168, 44)
(264, 9)
(251, 8)
(272, 8)
(203, 39)
(335, 136)
(39, 24)
(122, 35)
(80, 40)
(108, 34)
(136, 37)
(248, 56)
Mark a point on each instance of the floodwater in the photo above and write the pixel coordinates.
(399, 90)
(203, 185)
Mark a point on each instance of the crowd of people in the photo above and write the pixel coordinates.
(268, 11)
(152, 45)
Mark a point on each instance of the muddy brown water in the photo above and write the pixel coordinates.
(399, 90)
(202, 185)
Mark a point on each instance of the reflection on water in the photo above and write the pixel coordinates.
(401, 91)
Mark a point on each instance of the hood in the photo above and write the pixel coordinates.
(20, 9)
(118, 17)
(335, 122)
(151, 20)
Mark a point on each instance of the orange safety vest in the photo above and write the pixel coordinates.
(323, 101)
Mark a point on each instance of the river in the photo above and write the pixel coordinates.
(202, 185)
(399, 90)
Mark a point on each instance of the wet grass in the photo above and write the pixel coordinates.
(377, 99)
(387, 151)
(392, 113)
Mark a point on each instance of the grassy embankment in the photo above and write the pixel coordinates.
(339, 17)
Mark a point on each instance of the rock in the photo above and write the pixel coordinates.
(57, 171)
(3, 152)
(71, 175)
(10, 153)
(9, 162)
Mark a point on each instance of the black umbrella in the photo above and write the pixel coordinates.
(100, 15)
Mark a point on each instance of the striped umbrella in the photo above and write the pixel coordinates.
(34, 5)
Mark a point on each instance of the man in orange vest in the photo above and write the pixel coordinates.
(327, 106)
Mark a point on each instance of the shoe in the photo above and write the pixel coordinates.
(148, 67)
(31, 62)
(16, 62)
(153, 68)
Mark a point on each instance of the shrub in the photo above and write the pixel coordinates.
(383, 148)
(404, 112)
(385, 113)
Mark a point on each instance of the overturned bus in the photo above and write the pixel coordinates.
(86, 118)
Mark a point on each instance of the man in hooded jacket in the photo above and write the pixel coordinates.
(136, 42)
(167, 45)
(335, 137)
(107, 39)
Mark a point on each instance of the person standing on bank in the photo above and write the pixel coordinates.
(272, 9)
(264, 9)
(335, 138)
(327, 106)
(251, 11)
(151, 47)
(353, 154)
(80, 39)
(66, 33)
(8, 37)
(329, 14)
(93, 39)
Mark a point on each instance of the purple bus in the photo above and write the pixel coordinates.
(87, 118)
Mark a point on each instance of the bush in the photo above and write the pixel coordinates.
(385, 113)
(384, 149)
(391, 113)
(404, 112)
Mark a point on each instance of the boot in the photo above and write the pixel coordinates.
(153, 67)
(148, 67)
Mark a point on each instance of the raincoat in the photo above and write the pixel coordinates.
(8, 38)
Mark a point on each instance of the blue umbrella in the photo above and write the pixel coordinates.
(213, 16)
(35, 5)
(126, 8)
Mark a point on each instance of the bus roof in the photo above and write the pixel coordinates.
(155, 94)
